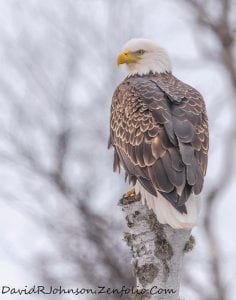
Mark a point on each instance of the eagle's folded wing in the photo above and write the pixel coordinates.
(160, 137)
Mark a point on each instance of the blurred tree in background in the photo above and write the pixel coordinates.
(56, 81)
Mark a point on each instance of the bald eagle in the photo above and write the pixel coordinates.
(159, 131)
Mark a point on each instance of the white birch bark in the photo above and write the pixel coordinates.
(157, 251)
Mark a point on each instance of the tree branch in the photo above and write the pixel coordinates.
(157, 251)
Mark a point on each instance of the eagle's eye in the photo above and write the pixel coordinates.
(140, 52)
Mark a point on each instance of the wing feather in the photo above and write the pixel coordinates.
(159, 177)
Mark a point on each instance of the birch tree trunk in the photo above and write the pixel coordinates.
(157, 251)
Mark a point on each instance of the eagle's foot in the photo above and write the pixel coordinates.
(190, 244)
(130, 193)
(129, 197)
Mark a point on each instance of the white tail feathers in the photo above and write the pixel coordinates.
(166, 213)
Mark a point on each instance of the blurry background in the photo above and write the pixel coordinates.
(59, 219)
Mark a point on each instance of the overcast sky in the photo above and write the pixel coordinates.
(171, 26)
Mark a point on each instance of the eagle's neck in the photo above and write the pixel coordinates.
(155, 62)
(157, 74)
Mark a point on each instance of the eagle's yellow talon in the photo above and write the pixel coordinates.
(131, 192)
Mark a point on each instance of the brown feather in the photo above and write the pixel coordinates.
(157, 148)
(177, 178)
(148, 156)
(159, 177)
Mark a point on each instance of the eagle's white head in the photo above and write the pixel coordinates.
(142, 56)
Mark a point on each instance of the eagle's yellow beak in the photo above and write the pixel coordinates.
(126, 57)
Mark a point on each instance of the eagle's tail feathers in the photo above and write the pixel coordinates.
(166, 213)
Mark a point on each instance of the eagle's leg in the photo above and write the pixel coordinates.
(129, 193)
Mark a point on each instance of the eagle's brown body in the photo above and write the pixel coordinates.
(159, 131)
